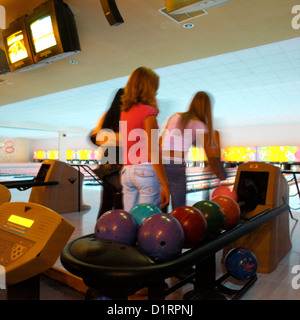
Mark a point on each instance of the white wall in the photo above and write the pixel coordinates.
(256, 136)
(72, 143)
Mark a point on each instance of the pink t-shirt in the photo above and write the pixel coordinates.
(133, 135)
(178, 139)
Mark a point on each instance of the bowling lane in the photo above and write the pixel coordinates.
(200, 181)
(14, 171)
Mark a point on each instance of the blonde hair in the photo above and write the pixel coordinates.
(141, 87)
(200, 107)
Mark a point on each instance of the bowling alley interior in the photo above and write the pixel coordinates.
(61, 63)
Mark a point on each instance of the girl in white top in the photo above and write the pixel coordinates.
(193, 127)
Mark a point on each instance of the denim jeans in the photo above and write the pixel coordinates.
(177, 183)
(140, 185)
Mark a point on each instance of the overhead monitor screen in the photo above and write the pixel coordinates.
(42, 34)
(16, 47)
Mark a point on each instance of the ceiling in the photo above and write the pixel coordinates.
(245, 53)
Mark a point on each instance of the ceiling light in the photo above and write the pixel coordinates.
(188, 25)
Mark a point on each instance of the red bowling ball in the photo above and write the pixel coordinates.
(231, 209)
(224, 191)
(193, 223)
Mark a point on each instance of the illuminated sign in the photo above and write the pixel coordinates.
(40, 155)
(278, 153)
(52, 154)
(240, 154)
(197, 154)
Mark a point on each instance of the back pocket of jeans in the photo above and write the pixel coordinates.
(145, 172)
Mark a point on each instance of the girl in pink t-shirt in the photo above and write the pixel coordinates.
(143, 175)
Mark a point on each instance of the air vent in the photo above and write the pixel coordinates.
(187, 6)
(183, 17)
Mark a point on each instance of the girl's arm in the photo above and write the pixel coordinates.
(154, 152)
(97, 129)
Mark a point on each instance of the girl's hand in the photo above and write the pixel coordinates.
(164, 196)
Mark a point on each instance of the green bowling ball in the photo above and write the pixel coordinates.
(214, 215)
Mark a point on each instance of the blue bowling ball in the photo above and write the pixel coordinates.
(117, 225)
(161, 237)
(241, 264)
(142, 211)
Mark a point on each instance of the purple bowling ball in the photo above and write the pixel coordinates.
(118, 226)
(161, 237)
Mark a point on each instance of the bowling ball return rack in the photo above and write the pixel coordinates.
(23, 185)
(117, 271)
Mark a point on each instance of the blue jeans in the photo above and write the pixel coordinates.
(140, 185)
(177, 183)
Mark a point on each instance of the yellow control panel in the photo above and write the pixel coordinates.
(31, 239)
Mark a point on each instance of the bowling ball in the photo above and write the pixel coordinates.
(117, 225)
(214, 215)
(224, 191)
(241, 264)
(193, 223)
(161, 237)
(231, 209)
(142, 211)
(94, 294)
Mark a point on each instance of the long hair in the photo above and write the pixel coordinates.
(141, 87)
(200, 107)
(112, 117)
